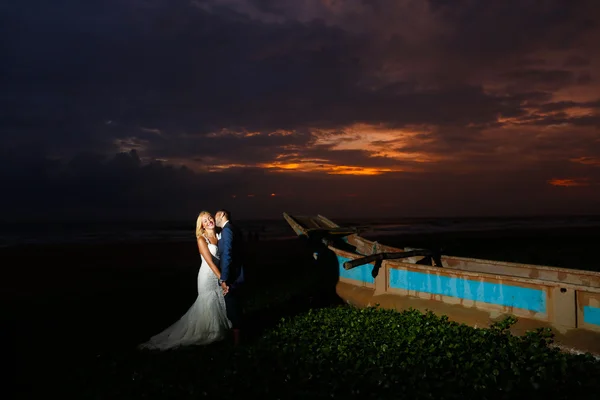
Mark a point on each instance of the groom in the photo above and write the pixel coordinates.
(232, 270)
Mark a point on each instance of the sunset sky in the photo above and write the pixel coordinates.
(344, 108)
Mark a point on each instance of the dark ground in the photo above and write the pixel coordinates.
(64, 304)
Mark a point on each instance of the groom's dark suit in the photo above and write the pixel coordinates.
(231, 255)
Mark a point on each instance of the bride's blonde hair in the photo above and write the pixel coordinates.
(199, 228)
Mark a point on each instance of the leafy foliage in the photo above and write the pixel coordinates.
(360, 353)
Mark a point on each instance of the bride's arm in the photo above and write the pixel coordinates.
(203, 247)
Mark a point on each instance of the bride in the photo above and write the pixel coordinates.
(206, 320)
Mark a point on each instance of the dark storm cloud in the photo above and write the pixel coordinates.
(561, 119)
(228, 147)
(577, 61)
(179, 68)
(563, 105)
(171, 70)
(247, 83)
(540, 79)
(94, 186)
(503, 28)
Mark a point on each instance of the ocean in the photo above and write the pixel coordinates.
(12, 234)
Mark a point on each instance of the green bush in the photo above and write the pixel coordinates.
(371, 352)
(346, 352)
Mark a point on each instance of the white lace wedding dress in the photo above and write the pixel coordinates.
(205, 321)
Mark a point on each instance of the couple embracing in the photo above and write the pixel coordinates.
(218, 308)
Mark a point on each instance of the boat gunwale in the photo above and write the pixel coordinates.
(497, 262)
(485, 275)
(521, 265)
(582, 272)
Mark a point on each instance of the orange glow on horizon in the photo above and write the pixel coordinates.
(328, 168)
(569, 182)
(350, 170)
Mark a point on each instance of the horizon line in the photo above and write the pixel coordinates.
(334, 218)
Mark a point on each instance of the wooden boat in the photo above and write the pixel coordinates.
(472, 291)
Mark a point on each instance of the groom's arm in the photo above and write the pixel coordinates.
(226, 256)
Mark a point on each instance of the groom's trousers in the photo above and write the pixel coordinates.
(233, 305)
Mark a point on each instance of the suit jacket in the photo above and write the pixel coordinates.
(231, 255)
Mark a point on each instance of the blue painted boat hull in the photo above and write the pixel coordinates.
(567, 300)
